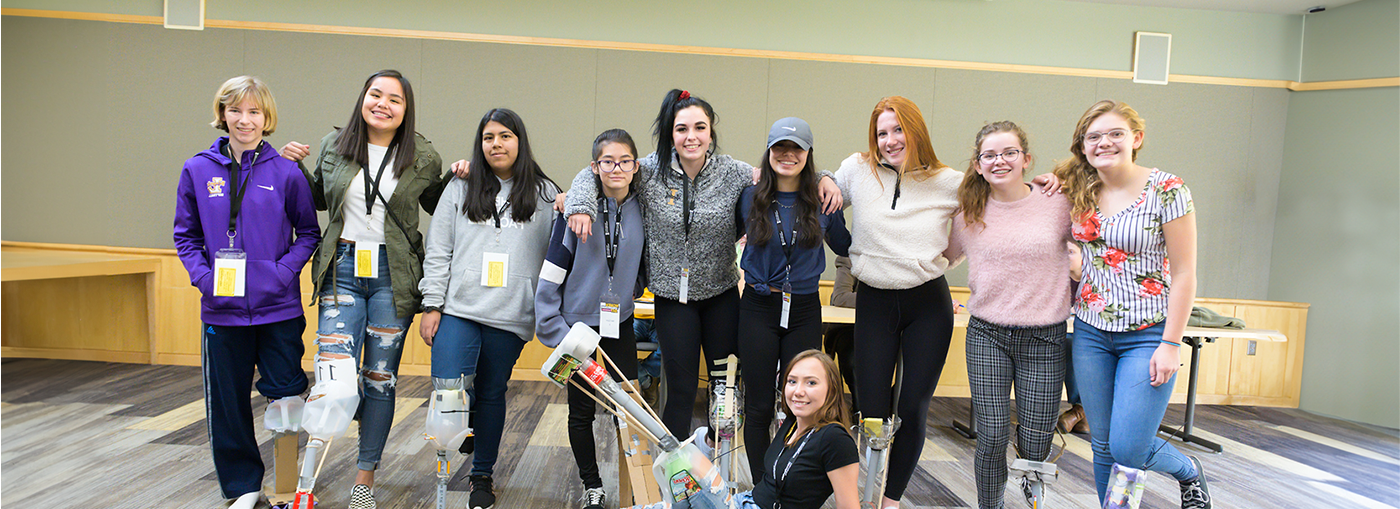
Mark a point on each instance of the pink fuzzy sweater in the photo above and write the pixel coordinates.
(1018, 260)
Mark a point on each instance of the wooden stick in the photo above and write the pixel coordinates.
(633, 388)
(324, 449)
(620, 415)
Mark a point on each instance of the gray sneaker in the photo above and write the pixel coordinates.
(1195, 493)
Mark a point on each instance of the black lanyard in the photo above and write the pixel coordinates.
(371, 192)
(611, 236)
(782, 237)
(235, 203)
(499, 211)
(898, 175)
(781, 480)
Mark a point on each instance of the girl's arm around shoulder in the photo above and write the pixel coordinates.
(837, 236)
(583, 195)
(437, 261)
(437, 182)
(301, 212)
(550, 326)
(847, 172)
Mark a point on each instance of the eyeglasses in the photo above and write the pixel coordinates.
(627, 165)
(1114, 136)
(1010, 156)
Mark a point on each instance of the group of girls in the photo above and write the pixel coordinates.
(499, 267)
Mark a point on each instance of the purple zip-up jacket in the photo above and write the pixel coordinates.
(276, 206)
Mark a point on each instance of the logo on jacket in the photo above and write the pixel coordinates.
(216, 187)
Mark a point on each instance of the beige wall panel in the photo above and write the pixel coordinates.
(552, 89)
(632, 84)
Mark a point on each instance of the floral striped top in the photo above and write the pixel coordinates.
(1126, 275)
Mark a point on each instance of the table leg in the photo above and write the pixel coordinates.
(1184, 433)
(969, 430)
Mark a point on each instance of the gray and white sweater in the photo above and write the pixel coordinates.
(710, 252)
(575, 275)
(897, 245)
(456, 247)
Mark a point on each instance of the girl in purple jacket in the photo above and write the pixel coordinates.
(238, 208)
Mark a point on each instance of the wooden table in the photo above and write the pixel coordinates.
(18, 264)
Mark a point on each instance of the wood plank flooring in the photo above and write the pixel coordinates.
(98, 435)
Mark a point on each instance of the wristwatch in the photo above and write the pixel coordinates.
(432, 308)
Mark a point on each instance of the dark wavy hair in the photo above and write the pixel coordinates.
(353, 140)
(808, 207)
(528, 178)
(666, 121)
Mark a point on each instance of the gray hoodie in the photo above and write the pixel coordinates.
(456, 247)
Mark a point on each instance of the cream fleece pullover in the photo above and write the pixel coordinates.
(899, 247)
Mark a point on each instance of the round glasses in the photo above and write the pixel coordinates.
(1010, 156)
(1114, 136)
(627, 165)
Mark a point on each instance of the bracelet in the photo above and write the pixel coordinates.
(432, 308)
(1171, 343)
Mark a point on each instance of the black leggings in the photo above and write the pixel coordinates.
(681, 330)
(918, 323)
(765, 347)
(623, 351)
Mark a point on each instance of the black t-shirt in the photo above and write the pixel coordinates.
(806, 485)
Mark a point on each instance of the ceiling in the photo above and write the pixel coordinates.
(1260, 6)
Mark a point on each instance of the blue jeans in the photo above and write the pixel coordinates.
(1122, 406)
(353, 309)
(1071, 388)
(465, 348)
(648, 369)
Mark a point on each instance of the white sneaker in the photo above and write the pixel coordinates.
(246, 501)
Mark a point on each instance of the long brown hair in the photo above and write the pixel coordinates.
(973, 193)
(921, 162)
(808, 232)
(834, 410)
(1081, 180)
(353, 140)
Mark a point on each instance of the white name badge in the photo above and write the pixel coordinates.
(230, 272)
(609, 316)
(685, 284)
(787, 307)
(367, 259)
(494, 267)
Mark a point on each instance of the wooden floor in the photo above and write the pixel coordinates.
(97, 435)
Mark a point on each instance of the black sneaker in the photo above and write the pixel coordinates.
(593, 498)
(482, 497)
(1195, 493)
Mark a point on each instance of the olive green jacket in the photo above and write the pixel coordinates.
(420, 185)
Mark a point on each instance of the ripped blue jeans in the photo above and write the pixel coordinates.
(353, 310)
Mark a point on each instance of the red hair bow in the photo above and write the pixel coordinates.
(685, 94)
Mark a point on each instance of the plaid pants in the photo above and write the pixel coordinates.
(1034, 359)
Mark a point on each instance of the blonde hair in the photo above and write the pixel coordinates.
(1081, 180)
(834, 410)
(921, 161)
(973, 193)
(234, 91)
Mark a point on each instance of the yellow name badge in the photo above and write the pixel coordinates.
(229, 273)
(494, 268)
(367, 259)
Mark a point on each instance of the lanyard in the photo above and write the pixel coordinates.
(498, 212)
(793, 459)
(782, 236)
(235, 202)
(371, 192)
(686, 204)
(897, 177)
(612, 236)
